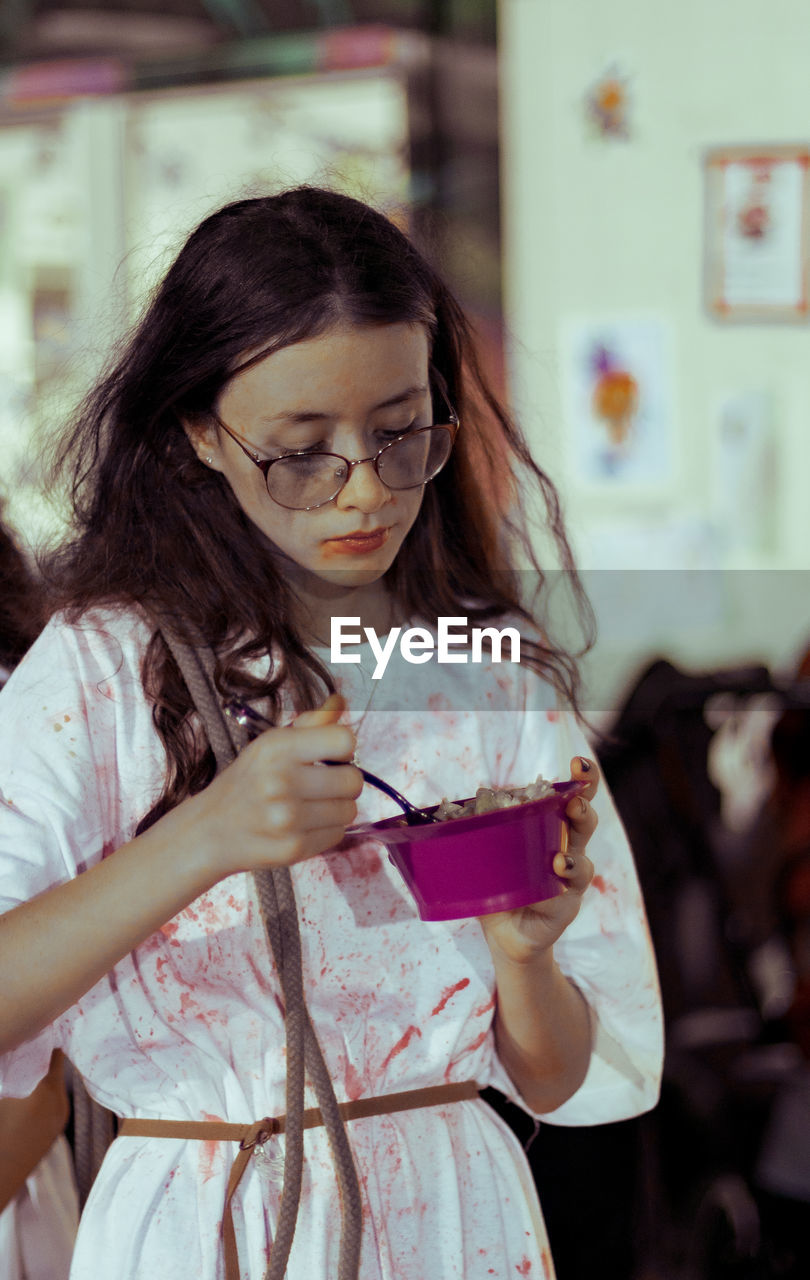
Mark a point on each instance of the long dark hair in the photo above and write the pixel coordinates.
(21, 600)
(157, 528)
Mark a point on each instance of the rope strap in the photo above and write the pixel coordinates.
(251, 1136)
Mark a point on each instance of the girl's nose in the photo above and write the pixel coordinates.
(364, 490)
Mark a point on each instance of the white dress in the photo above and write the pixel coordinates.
(188, 1026)
(38, 1227)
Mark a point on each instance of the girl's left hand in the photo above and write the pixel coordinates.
(519, 936)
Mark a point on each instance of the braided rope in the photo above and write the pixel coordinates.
(276, 897)
(351, 1204)
(288, 962)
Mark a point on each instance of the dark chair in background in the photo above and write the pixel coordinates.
(705, 1187)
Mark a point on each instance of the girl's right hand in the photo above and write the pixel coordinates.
(276, 804)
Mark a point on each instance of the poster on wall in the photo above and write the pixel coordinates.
(617, 404)
(607, 105)
(758, 233)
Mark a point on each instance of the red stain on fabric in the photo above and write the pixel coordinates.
(484, 1008)
(357, 862)
(209, 1151)
(598, 883)
(402, 1043)
(438, 702)
(470, 1048)
(524, 1267)
(448, 994)
(354, 1083)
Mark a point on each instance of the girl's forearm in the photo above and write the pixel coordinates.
(272, 806)
(542, 1030)
(29, 1127)
(58, 945)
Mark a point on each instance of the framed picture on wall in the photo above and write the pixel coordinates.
(617, 382)
(758, 233)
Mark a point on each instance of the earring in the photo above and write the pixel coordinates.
(208, 459)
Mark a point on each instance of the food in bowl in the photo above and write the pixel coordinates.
(487, 800)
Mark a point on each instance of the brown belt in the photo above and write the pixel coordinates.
(250, 1136)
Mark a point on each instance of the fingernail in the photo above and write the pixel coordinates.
(583, 806)
(585, 765)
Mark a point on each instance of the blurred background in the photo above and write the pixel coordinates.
(619, 194)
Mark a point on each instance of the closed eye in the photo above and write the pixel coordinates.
(394, 433)
(322, 446)
(381, 437)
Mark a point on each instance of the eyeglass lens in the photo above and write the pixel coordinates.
(308, 480)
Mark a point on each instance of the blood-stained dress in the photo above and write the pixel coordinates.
(189, 1025)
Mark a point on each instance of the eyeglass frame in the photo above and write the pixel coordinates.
(264, 464)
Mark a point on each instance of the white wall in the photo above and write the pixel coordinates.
(608, 227)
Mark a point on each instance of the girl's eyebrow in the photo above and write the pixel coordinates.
(312, 415)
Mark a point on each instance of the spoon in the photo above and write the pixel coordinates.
(245, 715)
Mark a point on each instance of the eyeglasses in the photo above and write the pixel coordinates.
(307, 479)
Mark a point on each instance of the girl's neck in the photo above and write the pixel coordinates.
(321, 601)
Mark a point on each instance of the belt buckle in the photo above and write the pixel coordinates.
(257, 1135)
(269, 1162)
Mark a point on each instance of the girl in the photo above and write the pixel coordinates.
(298, 432)
(38, 1203)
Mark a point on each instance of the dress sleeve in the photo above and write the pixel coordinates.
(606, 952)
(73, 750)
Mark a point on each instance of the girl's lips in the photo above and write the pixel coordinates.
(357, 543)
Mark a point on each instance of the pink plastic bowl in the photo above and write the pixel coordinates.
(488, 862)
